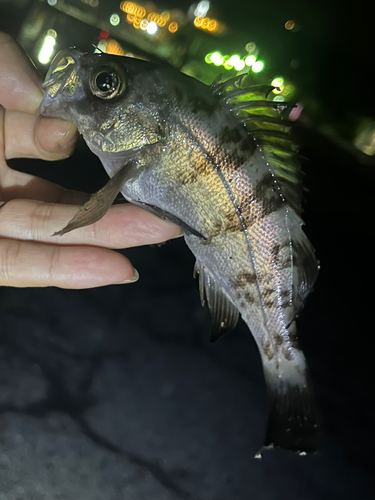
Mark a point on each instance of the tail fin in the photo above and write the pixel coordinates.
(292, 420)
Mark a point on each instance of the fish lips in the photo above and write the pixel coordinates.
(62, 85)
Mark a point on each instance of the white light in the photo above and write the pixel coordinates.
(46, 51)
(102, 47)
(152, 28)
(234, 59)
(239, 65)
(202, 8)
(52, 2)
(114, 19)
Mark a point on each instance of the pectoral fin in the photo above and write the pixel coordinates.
(98, 204)
(224, 313)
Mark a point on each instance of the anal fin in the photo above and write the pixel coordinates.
(224, 313)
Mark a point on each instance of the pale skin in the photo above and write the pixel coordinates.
(32, 209)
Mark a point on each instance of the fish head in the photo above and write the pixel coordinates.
(112, 100)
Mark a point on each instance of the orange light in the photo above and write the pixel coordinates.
(289, 25)
(133, 8)
(205, 23)
(173, 27)
(115, 48)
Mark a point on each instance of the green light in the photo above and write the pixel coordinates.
(278, 82)
(234, 59)
(250, 60)
(279, 98)
(239, 65)
(208, 58)
(217, 58)
(228, 65)
(114, 19)
(258, 66)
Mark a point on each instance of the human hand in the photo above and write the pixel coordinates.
(32, 209)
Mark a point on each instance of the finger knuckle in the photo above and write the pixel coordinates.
(9, 255)
(39, 220)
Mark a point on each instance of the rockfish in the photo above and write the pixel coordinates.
(218, 161)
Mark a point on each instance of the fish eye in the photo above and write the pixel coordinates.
(106, 83)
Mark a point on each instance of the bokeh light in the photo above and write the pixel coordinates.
(115, 19)
(257, 67)
(152, 28)
(250, 60)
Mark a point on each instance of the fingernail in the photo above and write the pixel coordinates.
(132, 280)
(67, 134)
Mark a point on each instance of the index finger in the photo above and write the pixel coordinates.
(19, 80)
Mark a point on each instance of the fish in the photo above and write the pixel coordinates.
(220, 162)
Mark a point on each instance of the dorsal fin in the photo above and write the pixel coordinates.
(265, 121)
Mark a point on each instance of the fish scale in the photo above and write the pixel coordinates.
(218, 161)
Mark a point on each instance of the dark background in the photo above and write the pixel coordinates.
(116, 393)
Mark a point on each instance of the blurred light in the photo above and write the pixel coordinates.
(234, 59)
(279, 98)
(296, 112)
(217, 58)
(239, 65)
(277, 82)
(208, 58)
(278, 90)
(133, 8)
(250, 60)
(202, 8)
(258, 66)
(102, 47)
(228, 65)
(152, 28)
(113, 47)
(294, 63)
(289, 25)
(173, 27)
(52, 2)
(166, 15)
(137, 23)
(143, 24)
(46, 50)
(205, 23)
(157, 18)
(114, 19)
(250, 47)
(104, 34)
(289, 89)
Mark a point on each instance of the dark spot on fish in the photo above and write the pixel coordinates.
(270, 302)
(201, 168)
(279, 340)
(267, 349)
(233, 223)
(244, 278)
(243, 304)
(275, 252)
(230, 135)
(202, 105)
(249, 297)
(267, 292)
(266, 195)
(178, 94)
